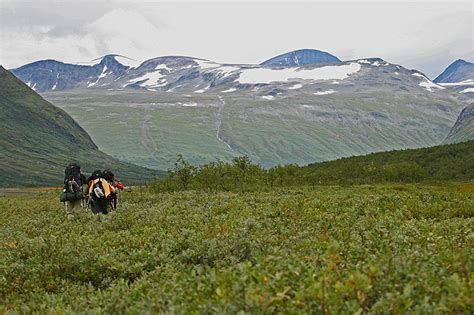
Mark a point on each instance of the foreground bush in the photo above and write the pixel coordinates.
(372, 249)
(454, 162)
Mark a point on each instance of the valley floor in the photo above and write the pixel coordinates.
(376, 249)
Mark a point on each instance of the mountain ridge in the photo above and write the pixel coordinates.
(458, 71)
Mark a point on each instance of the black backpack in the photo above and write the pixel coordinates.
(107, 175)
(73, 170)
(96, 174)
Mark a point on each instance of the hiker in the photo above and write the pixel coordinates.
(99, 191)
(72, 194)
(116, 186)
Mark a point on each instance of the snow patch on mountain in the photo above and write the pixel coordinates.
(150, 79)
(268, 75)
(206, 64)
(227, 70)
(202, 90)
(103, 74)
(192, 104)
(468, 90)
(376, 63)
(32, 87)
(163, 67)
(129, 62)
(324, 92)
(295, 87)
(465, 82)
(426, 83)
(229, 90)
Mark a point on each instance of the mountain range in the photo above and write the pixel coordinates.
(301, 107)
(39, 140)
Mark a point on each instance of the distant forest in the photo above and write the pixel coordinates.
(453, 162)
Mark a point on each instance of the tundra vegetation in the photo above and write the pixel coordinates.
(235, 238)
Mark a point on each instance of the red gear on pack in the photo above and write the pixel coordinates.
(119, 185)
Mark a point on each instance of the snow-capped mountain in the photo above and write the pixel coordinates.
(193, 75)
(52, 75)
(275, 115)
(458, 76)
(460, 70)
(301, 57)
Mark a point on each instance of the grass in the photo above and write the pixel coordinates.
(274, 132)
(328, 249)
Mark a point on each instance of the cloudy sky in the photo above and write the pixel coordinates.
(425, 35)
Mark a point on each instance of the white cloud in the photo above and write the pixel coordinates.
(424, 35)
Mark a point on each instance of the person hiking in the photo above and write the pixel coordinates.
(115, 187)
(72, 194)
(99, 191)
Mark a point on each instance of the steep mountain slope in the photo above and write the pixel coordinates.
(463, 129)
(301, 57)
(39, 139)
(459, 77)
(460, 70)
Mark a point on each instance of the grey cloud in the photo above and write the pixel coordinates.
(50, 18)
(426, 36)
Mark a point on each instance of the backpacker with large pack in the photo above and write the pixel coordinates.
(73, 181)
(99, 192)
(73, 171)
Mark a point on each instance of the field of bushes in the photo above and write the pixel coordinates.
(385, 248)
(440, 164)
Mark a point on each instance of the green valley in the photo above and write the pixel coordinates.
(150, 129)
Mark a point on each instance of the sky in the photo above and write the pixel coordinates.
(423, 35)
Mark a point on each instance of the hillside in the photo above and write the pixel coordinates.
(436, 165)
(453, 162)
(39, 140)
(463, 129)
